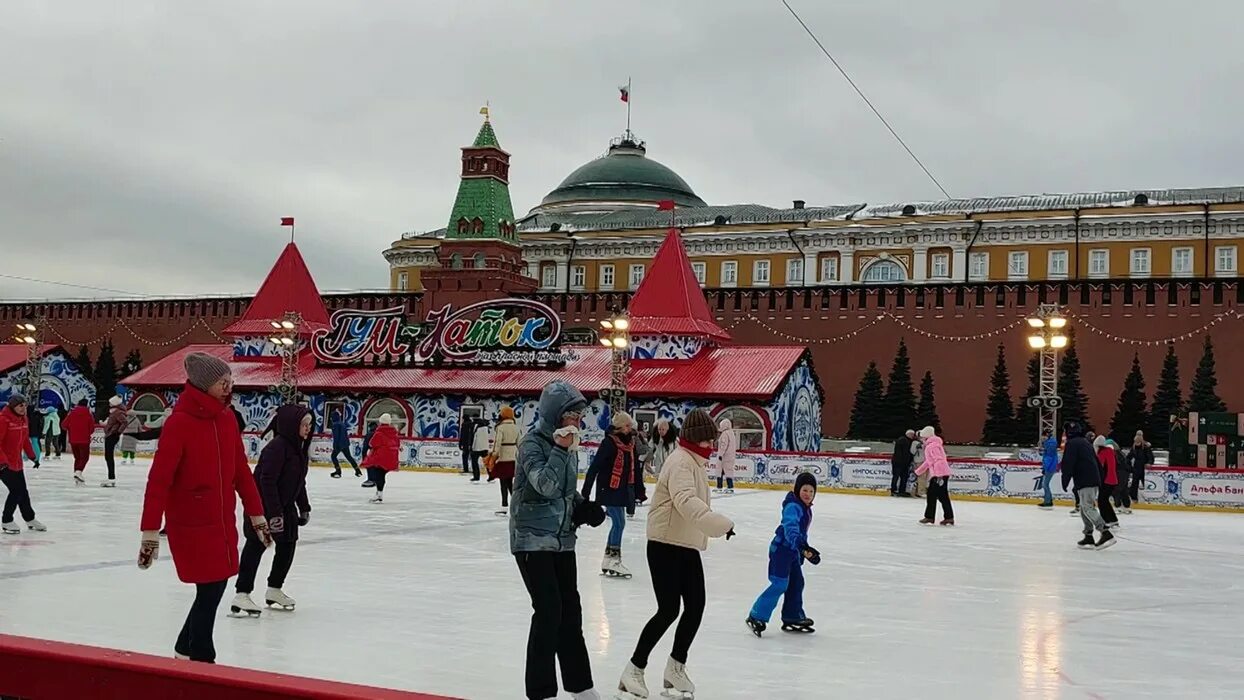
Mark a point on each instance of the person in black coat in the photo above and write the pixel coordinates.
(617, 476)
(281, 475)
(1080, 466)
(900, 464)
(1138, 460)
(466, 441)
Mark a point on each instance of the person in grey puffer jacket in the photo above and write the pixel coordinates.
(542, 539)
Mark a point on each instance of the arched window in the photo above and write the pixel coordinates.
(455, 261)
(381, 407)
(748, 426)
(464, 226)
(884, 271)
(148, 407)
(478, 261)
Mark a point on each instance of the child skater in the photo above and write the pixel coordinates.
(936, 464)
(383, 456)
(786, 554)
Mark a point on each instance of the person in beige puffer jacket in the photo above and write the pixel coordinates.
(680, 521)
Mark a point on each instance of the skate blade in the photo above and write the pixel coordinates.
(797, 630)
(678, 694)
(624, 695)
(614, 574)
(278, 606)
(241, 614)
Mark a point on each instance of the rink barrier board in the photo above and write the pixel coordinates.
(40, 669)
(1175, 488)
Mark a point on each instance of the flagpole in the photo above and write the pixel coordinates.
(628, 105)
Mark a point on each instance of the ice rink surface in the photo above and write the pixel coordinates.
(421, 593)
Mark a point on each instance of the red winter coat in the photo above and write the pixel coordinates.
(79, 426)
(382, 450)
(199, 470)
(1109, 464)
(14, 439)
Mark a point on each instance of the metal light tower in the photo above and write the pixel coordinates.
(1046, 336)
(285, 338)
(31, 335)
(617, 338)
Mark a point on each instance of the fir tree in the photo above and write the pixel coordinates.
(899, 412)
(1167, 401)
(105, 378)
(1025, 415)
(926, 409)
(1203, 396)
(1130, 414)
(867, 411)
(133, 363)
(84, 363)
(999, 417)
(1075, 403)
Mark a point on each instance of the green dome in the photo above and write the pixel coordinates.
(624, 176)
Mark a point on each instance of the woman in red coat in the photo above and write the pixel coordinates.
(79, 426)
(14, 442)
(198, 472)
(381, 457)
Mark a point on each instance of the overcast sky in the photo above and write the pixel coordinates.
(153, 149)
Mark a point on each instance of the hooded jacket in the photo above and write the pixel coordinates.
(51, 422)
(935, 461)
(727, 447)
(1049, 455)
(79, 425)
(14, 439)
(615, 472)
(1108, 460)
(281, 474)
(545, 479)
(1079, 464)
(341, 433)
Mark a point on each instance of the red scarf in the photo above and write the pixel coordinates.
(695, 448)
(625, 451)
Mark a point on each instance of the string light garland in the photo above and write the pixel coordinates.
(120, 323)
(1152, 342)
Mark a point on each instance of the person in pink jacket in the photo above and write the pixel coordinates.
(727, 454)
(938, 467)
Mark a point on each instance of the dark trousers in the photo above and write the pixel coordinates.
(376, 476)
(556, 631)
(1103, 504)
(19, 496)
(81, 455)
(344, 451)
(110, 448)
(899, 474)
(677, 575)
(51, 443)
(252, 553)
(475, 464)
(729, 482)
(939, 491)
(1121, 497)
(507, 485)
(1138, 479)
(195, 639)
(466, 460)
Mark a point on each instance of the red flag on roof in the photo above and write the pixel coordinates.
(670, 301)
(626, 92)
(665, 205)
(287, 221)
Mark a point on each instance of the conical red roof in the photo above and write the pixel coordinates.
(288, 287)
(669, 300)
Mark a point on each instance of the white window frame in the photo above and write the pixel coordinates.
(1016, 271)
(148, 415)
(830, 267)
(403, 281)
(730, 273)
(1104, 257)
(634, 279)
(978, 266)
(758, 279)
(1219, 267)
(548, 276)
(940, 260)
(700, 270)
(606, 277)
(1134, 255)
(750, 437)
(794, 272)
(373, 412)
(1059, 255)
(578, 277)
(1188, 272)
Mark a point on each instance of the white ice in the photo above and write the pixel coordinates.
(421, 593)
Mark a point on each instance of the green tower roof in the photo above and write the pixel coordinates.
(482, 208)
(486, 136)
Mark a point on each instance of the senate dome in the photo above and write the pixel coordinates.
(623, 177)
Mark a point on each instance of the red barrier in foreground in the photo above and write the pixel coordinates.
(37, 669)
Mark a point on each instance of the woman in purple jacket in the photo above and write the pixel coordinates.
(281, 475)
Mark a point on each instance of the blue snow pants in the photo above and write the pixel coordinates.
(785, 579)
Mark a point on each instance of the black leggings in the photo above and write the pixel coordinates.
(507, 485)
(677, 574)
(939, 491)
(556, 633)
(376, 475)
(195, 639)
(252, 553)
(110, 449)
(19, 496)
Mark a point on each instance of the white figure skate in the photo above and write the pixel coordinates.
(676, 683)
(276, 598)
(243, 607)
(632, 685)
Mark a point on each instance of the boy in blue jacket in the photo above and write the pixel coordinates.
(786, 554)
(1049, 465)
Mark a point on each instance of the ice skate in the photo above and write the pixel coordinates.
(589, 694)
(1125, 510)
(676, 684)
(730, 490)
(926, 521)
(243, 607)
(612, 565)
(1086, 543)
(1075, 512)
(78, 479)
(1046, 506)
(1107, 540)
(378, 498)
(502, 512)
(357, 472)
(10, 528)
(35, 525)
(756, 626)
(369, 484)
(948, 521)
(276, 598)
(802, 626)
(632, 684)
(336, 474)
(108, 483)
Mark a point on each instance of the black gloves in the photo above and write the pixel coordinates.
(813, 556)
(588, 513)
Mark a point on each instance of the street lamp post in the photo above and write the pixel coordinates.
(617, 337)
(31, 335)
(1046, 336)
(285, 338)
